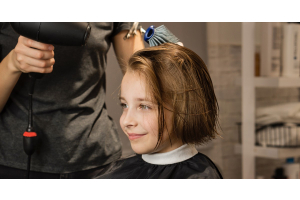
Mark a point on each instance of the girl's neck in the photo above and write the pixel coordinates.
(167, 147)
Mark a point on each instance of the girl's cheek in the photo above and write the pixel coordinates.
(150, 122)
(121, 121)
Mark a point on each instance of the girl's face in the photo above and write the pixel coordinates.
(139, 119)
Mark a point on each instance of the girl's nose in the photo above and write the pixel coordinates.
(129, 119)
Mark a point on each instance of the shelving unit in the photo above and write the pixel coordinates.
(248, 83)
(271, 152)
(271, 82)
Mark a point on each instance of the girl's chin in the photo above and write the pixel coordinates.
(140, 149)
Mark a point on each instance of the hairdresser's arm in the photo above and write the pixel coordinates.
(25, 59)
(125, 48)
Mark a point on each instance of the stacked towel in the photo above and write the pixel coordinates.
(287, 135)
(289, 113)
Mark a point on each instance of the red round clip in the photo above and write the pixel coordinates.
(29, 134)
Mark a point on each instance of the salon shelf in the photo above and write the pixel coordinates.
(271, 152)
(248, 82)
(274, 82)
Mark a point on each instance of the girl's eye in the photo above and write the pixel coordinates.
(144, 107)
(123, 105)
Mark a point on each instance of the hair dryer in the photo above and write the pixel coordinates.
(58, 33)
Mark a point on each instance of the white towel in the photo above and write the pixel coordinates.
(289, 112)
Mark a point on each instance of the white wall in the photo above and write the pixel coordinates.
(229, 33)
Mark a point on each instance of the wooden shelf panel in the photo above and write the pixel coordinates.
(271, 152)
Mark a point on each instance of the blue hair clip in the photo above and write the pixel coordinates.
(149, 33)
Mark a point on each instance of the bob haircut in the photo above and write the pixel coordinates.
(177, 78)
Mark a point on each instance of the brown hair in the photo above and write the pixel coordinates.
(176, 76)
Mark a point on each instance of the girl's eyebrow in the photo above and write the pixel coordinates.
(138, 99)
(141, 99)
(144, 99)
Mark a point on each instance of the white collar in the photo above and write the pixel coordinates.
(177, 155)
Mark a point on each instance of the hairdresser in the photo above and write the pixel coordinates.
(77, 138)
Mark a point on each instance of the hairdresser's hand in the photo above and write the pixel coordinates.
(32, 56)
(180, 43)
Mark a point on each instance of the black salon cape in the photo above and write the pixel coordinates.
(197, 167)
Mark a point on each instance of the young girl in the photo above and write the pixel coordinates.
(169, 106)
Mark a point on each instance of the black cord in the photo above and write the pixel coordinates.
(30, 118)
(28, 166)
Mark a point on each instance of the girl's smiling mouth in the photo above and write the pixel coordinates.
(133, 136)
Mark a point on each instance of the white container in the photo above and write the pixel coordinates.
(292, 170)
(271, 42)
(290, 50)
